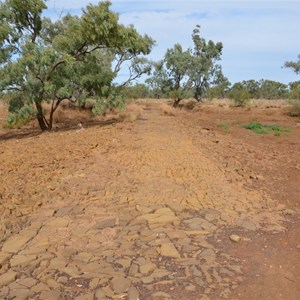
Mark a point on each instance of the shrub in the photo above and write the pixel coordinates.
(20, 118)
(265, 129)
(295, 108)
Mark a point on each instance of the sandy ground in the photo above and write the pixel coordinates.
(168, 204)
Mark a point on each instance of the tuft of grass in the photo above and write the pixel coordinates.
(224, 125)
(265, 129)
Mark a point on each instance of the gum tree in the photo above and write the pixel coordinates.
(294, 65)
(203, 70)
(189, 72)
(73, 58)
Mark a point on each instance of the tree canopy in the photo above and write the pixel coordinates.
(191, 71)
(72, 58)
(294, 65)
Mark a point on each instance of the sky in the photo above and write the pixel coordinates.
(258, 36)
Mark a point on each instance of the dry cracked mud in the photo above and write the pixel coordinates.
(166, 207)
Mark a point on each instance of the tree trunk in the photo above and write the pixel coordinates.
(41, 118)
(176, 102)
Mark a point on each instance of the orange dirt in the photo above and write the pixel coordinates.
(149, 208)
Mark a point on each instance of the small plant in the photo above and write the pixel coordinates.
(295, 108)
(265, 129)
(224, 125)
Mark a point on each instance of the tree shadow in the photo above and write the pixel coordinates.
(24, 133)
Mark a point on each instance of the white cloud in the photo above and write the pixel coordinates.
(258, 36)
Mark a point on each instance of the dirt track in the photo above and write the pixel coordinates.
(147, 209)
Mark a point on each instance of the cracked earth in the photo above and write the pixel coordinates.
(165, 207)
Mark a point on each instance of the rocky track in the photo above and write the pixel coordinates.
(127, 211)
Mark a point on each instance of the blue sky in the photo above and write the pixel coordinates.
(258, 36)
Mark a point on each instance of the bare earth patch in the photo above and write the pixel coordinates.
(165, 205)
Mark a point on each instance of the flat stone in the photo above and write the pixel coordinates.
(62, 279)
(134, 269)
(3, 258)
(169, 250)
(108, 291)
(190, 288)
(59, 222)
(40, 287)
(161, 215)
(58, 263)
(147, 268)
(88, 296)
(94, 283)
(83, 256)
(110, 222)
(20, 294)
(176, 234)
(7, 278)
(100, 295)
(28, 282)
(209, 253)
(126, 262)
(120, 284)
(147, 280)
(53, 284)
(200, 223)
(188, 261)
(71, 270)
(159, 273)
(15, 243)
(53, 295)
(133, 294)
(196, 272)
(22, 260)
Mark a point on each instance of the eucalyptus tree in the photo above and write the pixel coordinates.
(203, 70)
(42, 61)
(189, 72)
(294, 65)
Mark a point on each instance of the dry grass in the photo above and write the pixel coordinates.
(131, 113)
(168, 110)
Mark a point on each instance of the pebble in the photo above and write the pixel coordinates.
(235, 238)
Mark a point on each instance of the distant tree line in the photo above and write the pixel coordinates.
(249, 89)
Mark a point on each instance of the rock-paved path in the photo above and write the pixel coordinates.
(138, 218)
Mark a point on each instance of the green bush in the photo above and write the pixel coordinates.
(295, 108)
(104, 104)
(240, 95)
(20, 118)
(265, 129)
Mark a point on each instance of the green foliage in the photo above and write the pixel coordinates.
(294, 90)
(295, 108)
(192, 71)
(270, 89)
(265, 129)
(219, 88)
(137, 91)
(104, 104)
(203, 69)
(72, 58)
(294, 65)
(224, 125)
(240, 95)
(20, 117)
(252, 89)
